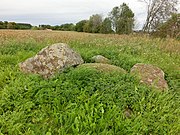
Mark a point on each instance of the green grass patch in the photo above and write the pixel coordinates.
(85, 101)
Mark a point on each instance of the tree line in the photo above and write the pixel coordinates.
(162, 20)
(13, 25)
(120, 20)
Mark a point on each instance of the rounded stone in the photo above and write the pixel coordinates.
(51, 59)
(150, 75)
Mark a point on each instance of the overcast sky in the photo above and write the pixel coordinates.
(56, 12)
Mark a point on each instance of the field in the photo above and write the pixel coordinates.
(82, 101)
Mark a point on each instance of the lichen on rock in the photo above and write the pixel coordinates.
(150, 75)
(51, 59)
(100, 59)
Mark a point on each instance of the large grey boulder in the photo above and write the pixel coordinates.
(100, 59)
(51, 59)
(150, 75)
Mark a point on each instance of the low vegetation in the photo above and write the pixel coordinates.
(82, 100)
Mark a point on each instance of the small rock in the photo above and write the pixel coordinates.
(100, 59)
(150, 75)
(51, 59)
(103, 67)
(128, 112)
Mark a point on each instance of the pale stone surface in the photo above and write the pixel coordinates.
(103, 67)
(128, 112)
(100, 59)
(51, 59)
(150, 75)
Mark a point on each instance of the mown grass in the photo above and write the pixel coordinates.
(84, 101)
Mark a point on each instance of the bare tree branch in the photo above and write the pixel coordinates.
(158, 11)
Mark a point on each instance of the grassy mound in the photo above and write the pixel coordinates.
(103, 67)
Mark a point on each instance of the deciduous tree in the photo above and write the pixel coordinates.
(95, 22)
(80, 25)
(106, 26)
(158, 11)
(122, 19)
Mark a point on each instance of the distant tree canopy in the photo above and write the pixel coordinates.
(63, 27)
(67, 27)
(3, 25)
(13, 25)
(80, 25)
(95, 22)
(43, 27)
(106, 26)
(23, 26)
(122, 19)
